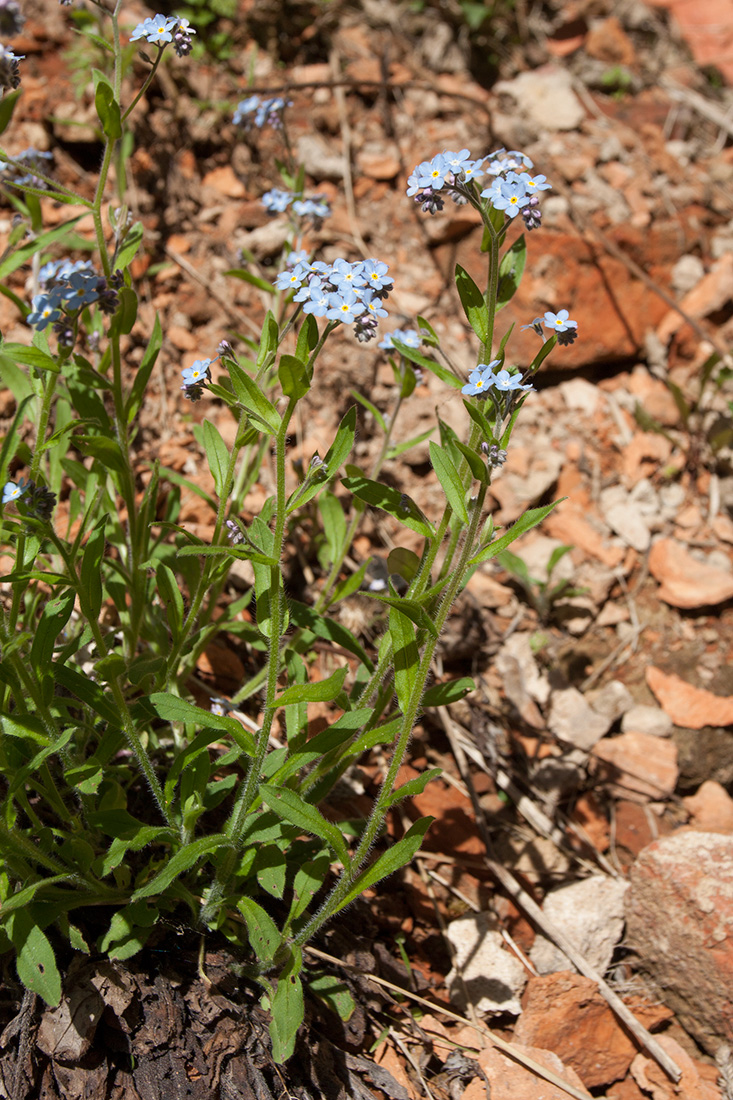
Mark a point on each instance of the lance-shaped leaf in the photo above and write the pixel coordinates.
(181, 862)
(321, 691)
(525, 523)
(249, 394)
(390, 861)
(217, 456)
(287, 1010)
(405, 656)
(261, 928)
(511, 270)
(288, 805)
(473, 304)
(390, 500)
(448, 477)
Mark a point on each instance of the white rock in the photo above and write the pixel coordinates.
(687, 273)
(644, 719)
(545, 97)
(574, 721)
(629, 524)
(318, 159)
(581, 395)
(517, 651)
(591, 914)
(612, 701)
(493, 978)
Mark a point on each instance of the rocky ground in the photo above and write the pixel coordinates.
(579, 875)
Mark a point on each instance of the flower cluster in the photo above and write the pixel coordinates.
(407, 336)
(159, 30)
(564, 328)
(512, 190)
(66, 288)
(483, 379)
(196, 377)
(38, 501)
(32, 161)
(12, 20)
(341, 291)
(277, 202)
(9, 68)
(261, 112)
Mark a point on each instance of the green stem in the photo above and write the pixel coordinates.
(381, 806)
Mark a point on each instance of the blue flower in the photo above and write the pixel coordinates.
(559, 322)
(244, 108)
(347, 275)
(311, 208)
(276, 202)
(503, 380)
(80, 290)
(373, 304)
(319, 299)
(292, 280)
(296, 258)
(481, 379)
(433, 173)
(45, 310)
(182, 43)
(375, 274)
(535, 325)
(534, 183)
(11, 491)
(407, 336)
(157, 30)
(509, 195)
(344, 307)
(197, 374)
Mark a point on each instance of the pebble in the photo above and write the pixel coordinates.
(591, 915)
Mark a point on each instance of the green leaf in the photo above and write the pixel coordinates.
(411, 608)
(126, 313)
(525, 523)
(218, 457)
(264, 935)
(476, 464)
(129, 930)
(323, 627)
(414, 786)
(173, 709)
(270, 867)
(106, 107)
(130, 246)
(89, 692)
(406, 656)
(253, 280)
(390, 500)
(423, 361)
(343, 442)
(144, 371)
(511, 270)
(448, 477)
(307, 338)
(473, 304)
(334, 993)
(287, 1012)
(405, 563)
(91, 566)
(371, 407)
(308, 881)
(288, 805)
(7, 106)
(442, 695)
(293, 377)
(182, 861)
(170, 593)
(253, 399)
(103, 448)
(399, 448)
(54, 618)
(319, 692)
(390, 861)
(25, 253)
(35, 960)
(31, 356)
(268, 341)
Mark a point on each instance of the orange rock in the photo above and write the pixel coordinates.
(686, 705)
(568, 523)
(225, 182)
(636, 826)
(691, 1086)
(685, 581)
(608, 41)
(711, 808)
(590, 817)
(565, 1012)
(509, 1080)
(706, 297)
(637, 766)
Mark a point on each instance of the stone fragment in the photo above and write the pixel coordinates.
(545, 98)
(612, 701)
(510, 1080)
(569, 522)
(711, 808)
(637, 766)
(624, 516)
(582, 395)
(574, 721)
(565, 1012)
(522, 681)
(224, 181)
(680, 921)
(698, 1080)
(685, 581)
(319, 160)
(686, 705)
(706, 297)
(608, 41)
(591, 914)
(646, 719)
(484, 972)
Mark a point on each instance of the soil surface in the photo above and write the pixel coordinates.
(602, 719)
